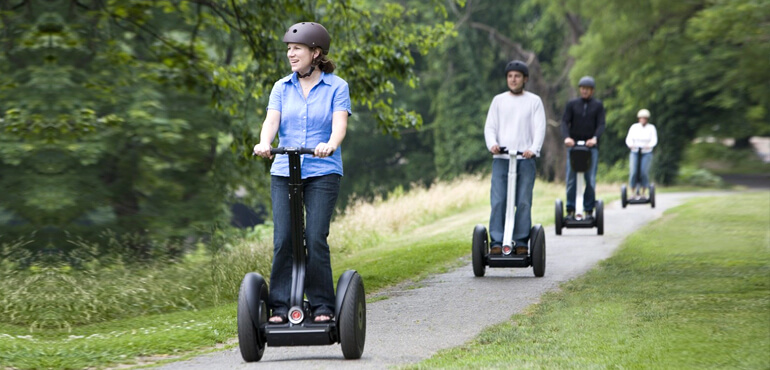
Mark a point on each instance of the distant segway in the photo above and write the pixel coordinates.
(254, 330)
(580, 160)
(480, 248)
(640, 200)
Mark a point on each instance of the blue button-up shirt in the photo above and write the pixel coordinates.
(307, 123)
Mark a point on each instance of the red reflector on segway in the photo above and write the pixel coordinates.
(507, 250)
(296, 315)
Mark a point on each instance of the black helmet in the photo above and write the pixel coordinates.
(309, 33)
(517, 65)
(587, 81)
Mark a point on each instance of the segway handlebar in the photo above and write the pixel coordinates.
(291, 150)
(504, 150)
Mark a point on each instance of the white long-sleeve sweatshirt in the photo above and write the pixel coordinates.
(516, 122)
(642, 136)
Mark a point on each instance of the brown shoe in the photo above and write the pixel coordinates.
(521, 250)
(496, 250)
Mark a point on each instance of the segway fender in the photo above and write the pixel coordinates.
(252, 283)
(342, 287)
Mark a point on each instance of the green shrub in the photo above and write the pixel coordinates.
(615, 173)
(698, 177)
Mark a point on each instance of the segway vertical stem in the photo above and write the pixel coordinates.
(510, 206)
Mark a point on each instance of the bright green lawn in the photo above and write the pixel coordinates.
(691, 290)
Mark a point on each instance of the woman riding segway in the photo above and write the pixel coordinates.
(641, 139)
(309, 110)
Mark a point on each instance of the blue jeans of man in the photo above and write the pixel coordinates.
(644, 181)
(525, 182)
(320, 196)
(589, 195)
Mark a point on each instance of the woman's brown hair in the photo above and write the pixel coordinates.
(324, 63)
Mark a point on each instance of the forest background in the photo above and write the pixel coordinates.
(127, 126)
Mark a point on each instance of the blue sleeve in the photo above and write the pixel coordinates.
(276, 97)
(341, 100)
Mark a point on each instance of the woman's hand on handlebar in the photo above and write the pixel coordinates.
(528, 154)
(495, 149)
(263, 150)
(324, 150)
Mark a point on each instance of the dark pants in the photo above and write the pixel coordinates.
(320, 196)
(589, 196)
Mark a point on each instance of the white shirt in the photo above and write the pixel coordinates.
(642, 137)
(516, 122)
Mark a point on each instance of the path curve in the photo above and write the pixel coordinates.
(413, 324)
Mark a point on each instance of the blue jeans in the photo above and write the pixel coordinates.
(320, 196)
(525, 181)
(644, 181)
(589, 195)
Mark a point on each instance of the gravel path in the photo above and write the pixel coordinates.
(449, 309)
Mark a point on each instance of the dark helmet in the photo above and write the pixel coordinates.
(587, 81)
(309, 33)
(517, 65)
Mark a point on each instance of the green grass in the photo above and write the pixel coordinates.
(691, 290)
(407, 253)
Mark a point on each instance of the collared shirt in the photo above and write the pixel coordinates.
(516, 122)
(308, 122)
(642, 136)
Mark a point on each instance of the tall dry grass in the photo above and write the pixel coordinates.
(365, 223)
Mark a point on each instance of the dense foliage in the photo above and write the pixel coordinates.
(139, 116)
(128, 124)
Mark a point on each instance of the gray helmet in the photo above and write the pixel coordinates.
(517, 65)
(309, 33)
(587, 81)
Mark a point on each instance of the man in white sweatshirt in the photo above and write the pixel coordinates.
(515, 121)
(641, 136)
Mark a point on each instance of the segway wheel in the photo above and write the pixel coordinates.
(251, 317)
(599, 217)
(480, 249)
(623, 195)
(558, 216)
(537, 248)
(352, 320)
(652, 196)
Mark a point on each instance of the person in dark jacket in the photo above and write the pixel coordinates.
(583, 120)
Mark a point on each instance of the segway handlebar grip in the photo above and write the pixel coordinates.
(504, 150)
(289, 150)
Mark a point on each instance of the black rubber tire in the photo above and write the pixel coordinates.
(652, 196)
(558, 216)
(623, 195)
(537, 250)
(250, 339)
(599, 217)
(352, 320)
(479, 250)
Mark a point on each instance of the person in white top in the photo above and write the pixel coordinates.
(641, 138)
(515, 121)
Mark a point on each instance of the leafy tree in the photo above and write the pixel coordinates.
(693, 64)
(140, 116)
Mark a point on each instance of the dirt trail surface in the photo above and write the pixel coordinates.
(449, 309)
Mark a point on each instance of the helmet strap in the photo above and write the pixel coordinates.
(310, 72)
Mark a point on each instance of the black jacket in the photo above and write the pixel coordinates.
(583, 119)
